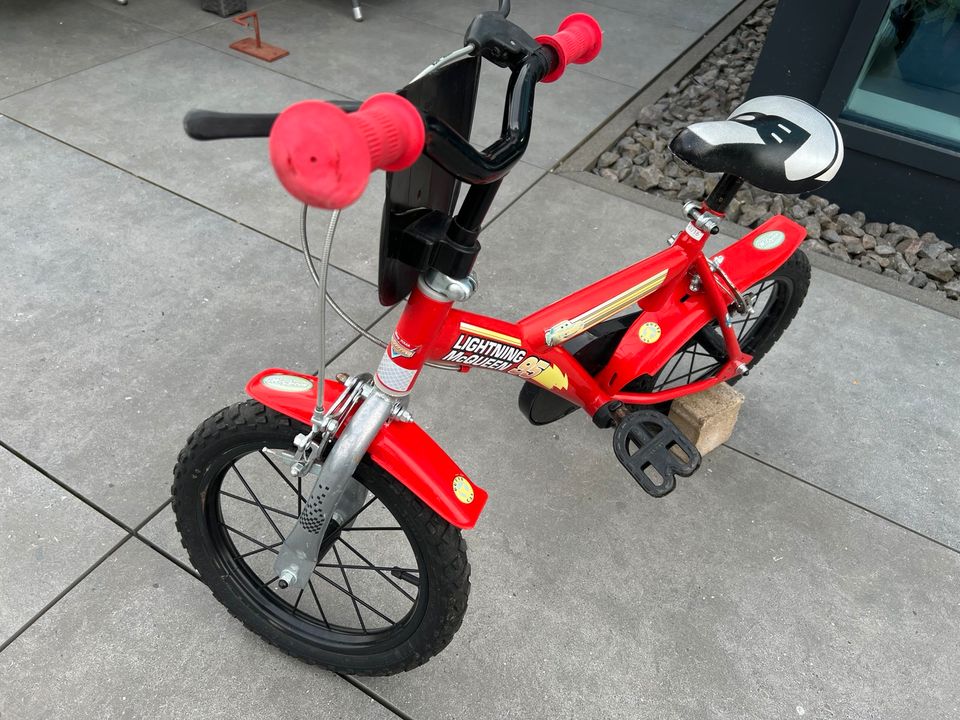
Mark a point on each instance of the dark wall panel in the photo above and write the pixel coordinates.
(798, 59)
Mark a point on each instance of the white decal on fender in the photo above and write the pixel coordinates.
(286, 383)
(769, 240)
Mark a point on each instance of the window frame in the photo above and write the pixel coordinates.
(886, 144)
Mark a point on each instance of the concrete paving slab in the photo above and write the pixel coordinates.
(44, 41)
(130, 315)
(328, 48)
(176, 16)
(454, 15)
(140, 638)
(394, 49)
(47, 539)
(232, 177)
(862, 424)
(743, 594)
(861, 398)
(692, 14)
(132, 116)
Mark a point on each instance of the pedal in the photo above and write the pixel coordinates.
(654, 451)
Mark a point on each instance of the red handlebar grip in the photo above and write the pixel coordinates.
(577, 40)
(324, 156)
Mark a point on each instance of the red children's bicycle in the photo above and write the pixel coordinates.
(327, 520)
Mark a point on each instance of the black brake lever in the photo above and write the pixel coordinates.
(212, 125)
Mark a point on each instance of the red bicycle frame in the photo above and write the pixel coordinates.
(675, 306)
(532, 348)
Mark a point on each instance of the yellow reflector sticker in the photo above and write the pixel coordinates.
(463, 489)
(649, 332)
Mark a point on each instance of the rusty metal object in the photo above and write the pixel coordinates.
(255, 46)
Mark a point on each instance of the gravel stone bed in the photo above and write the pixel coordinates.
(711, 91)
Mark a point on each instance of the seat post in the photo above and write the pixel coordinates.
(723, 193)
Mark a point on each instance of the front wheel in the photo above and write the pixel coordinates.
(390, 587)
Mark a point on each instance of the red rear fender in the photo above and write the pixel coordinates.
(403, 449)
(660, 331)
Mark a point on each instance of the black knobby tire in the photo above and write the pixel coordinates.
(782, 293)
(441, 583)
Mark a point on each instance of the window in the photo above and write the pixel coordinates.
(910, 82)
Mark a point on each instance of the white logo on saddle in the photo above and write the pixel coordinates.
(769, 240)
(287, 383)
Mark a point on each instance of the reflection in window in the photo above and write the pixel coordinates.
(911, 78)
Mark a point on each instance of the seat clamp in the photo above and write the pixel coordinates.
(701, 218)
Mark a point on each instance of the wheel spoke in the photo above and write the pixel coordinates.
(353, 597)
(262, 545)
(264, 506)
(346, 581)
(298, 490)
(379, 571)
(313, 591)
(357, 514)
(257, 500)
(331, 566)
(260, 550)
(368, 529)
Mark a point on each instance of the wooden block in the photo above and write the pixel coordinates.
(708, 417)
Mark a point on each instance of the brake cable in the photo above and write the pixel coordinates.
(320, 279)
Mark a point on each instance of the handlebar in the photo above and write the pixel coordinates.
(324, 156)
(578, 40)
(211, 125)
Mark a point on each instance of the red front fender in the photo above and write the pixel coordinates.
(403, 449)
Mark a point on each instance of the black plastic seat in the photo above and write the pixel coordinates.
(774, 142)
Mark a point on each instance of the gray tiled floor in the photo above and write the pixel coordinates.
(742, 594)
(123, 314)
(47, 538)
(143, 283)
(44, 41)
(140, 638)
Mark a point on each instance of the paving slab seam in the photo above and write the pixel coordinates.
(64, 486)
(510, 204)
(859, 275)
(662, 19)
(134, 532)
(190, 200)
(842, 499)
(375, 696)
(131, 533)
(269, 67)
(105, 62)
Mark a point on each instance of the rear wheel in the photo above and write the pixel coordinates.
(390, 587)
(775, 300)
